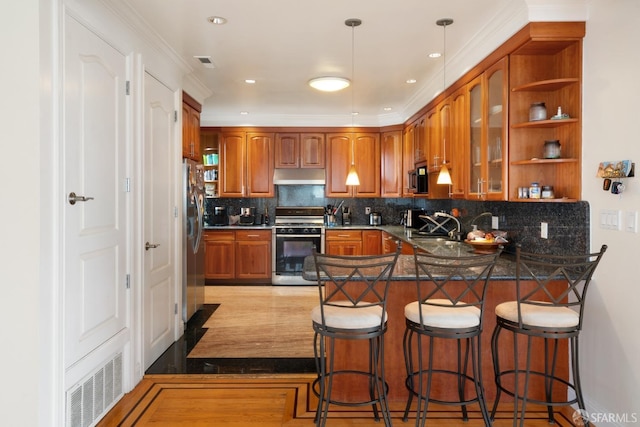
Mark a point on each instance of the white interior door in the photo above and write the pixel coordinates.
(95, 251)
(160, 288)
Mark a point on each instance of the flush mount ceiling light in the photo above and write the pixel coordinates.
(329, 84)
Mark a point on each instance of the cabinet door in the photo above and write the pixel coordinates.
(407, 159)
(346, 247)
(187, 137)
(219, 255)
(366, 149)
(287, 150)
(391, 172)
(497, 84)
(260, 159)
(433, 141)
(371, 242)
(338, 163)
(253, 254)
(232, 165)
(474, 126)
(420, 140)
(312, 150)
(458, 154)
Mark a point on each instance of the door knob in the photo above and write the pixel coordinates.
(148, 246)
(73, 198)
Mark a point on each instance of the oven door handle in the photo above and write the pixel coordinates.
(312, 236)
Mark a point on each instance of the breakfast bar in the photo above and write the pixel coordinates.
(403, 291)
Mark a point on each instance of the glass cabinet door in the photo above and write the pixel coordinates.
(495, 133)
(475, 136)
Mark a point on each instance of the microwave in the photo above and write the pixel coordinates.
(419, 179)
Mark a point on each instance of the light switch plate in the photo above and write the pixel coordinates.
(495, 222)
(631, 221)
(544, 230)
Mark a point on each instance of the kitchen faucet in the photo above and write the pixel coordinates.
(473, 224)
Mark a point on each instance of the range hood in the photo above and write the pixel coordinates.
(298, 176)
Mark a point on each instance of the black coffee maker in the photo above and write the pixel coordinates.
(346, 215)
(218, 216)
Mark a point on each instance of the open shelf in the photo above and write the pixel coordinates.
(546, 85)
(544, 123)
(543, 161)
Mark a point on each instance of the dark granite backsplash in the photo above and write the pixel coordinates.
(568, 223)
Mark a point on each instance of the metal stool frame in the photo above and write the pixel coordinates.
(361, 283)
(543, 270)
(470, 276)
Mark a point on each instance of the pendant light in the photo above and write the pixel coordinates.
(444, 177)
(352, 176)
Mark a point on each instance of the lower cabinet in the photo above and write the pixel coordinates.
(353, 242)
(237, 255)
(390, 244)
(343, 242)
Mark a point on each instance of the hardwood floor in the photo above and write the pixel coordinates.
(269, 401)
(281, 316)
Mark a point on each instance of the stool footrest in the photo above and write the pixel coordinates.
(374, 400)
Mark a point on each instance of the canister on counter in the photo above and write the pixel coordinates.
(534, 190)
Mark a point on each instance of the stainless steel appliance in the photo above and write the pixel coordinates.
(217, 217)
(192, 246)
(375, 218)
(296, 232)
(419, 179)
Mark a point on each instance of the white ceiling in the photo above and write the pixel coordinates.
(284, 43)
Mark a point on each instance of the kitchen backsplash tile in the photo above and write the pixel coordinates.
(568, 222)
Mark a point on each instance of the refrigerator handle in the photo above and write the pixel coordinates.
(199, 208)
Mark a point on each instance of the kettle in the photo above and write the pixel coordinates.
(375, 218)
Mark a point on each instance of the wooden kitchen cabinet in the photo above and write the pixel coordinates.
(391, 165)
(547, 70)
(191, 128)
(300, 150)
(458, 143)
(408, 163)
(237, 255)
(371, 242)
(343, 242)
(246, 164)
(363, 148)
(219, 254)
(487, 126)
(253, 254)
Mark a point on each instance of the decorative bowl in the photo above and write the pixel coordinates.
(484, 246)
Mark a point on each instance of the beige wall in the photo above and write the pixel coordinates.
(19, 214)
(610, 343)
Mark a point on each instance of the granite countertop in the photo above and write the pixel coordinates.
(237, 227)
(405, 268)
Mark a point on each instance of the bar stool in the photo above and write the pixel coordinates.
(353, 306)
(451, 293)
(550, 297)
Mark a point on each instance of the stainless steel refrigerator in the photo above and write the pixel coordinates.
(192, 245)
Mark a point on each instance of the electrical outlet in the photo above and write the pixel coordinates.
(544, 230)
(367, 210)
(495, 222)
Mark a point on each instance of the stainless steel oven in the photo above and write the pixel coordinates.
(297, 231)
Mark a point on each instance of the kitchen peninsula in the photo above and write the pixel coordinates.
(403, 291)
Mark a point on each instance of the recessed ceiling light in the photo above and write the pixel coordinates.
(411, 81)
(244, 113)
(217, 20)
(354, 113)
(435, 55)
(250, 81)
(329, 84)
(387, 108)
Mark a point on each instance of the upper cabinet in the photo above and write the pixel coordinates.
(363, 150)
(391, 174)
(547, 68)
(300, 150)
(487, 127)
(191, 128)
(459, 135)
(246, 164)
(209, 138)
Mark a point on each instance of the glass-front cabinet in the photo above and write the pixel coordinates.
(488, 107)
